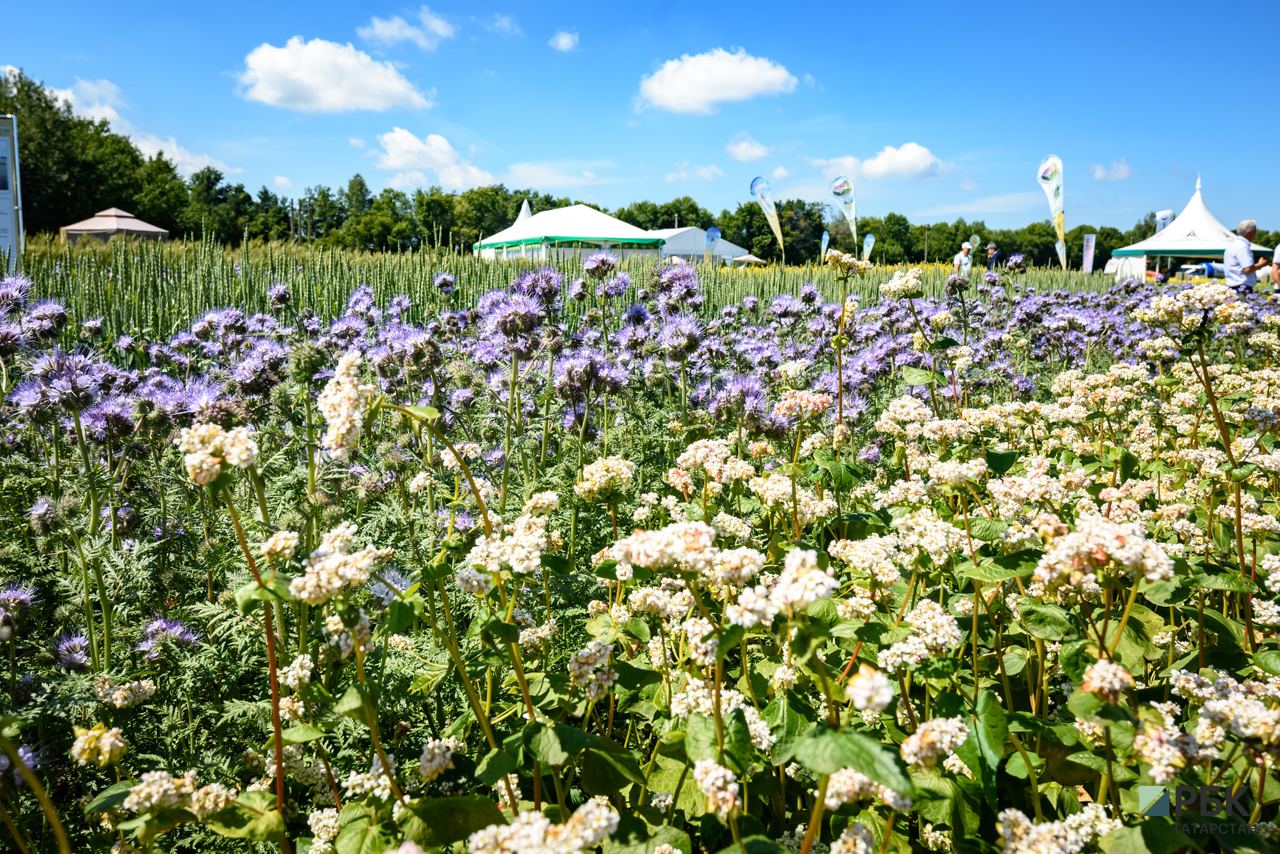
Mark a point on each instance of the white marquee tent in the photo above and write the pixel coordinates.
(567, 231)
(112, 222)
(1194, 233)
(690, 244)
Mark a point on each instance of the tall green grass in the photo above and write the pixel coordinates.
(159, 287)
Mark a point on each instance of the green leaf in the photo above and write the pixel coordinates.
(1268, 661)
(663, 835)
(359, 832)
(825, 751)
(495, 765)
(991, 729)
(943, 343)
(1000, 462)
(786, 724)
(427, 414)
(1045, 621)
(444, 821)
(989, 571)
(1154, 835)
(756, 845)
(249, 595)
(352, 702)
(608, 767)
(986, 530)
(502, 630)
(302, 733)
(252, 816)
(1226, 581)
(110, 797)
(1097, 763)
(919, 376)
(555, 745)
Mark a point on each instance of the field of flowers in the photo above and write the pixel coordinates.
(596, 560)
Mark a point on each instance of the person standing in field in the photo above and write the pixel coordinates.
(1275, 267)
(1240, 270)
(993, 256)
(962, 263)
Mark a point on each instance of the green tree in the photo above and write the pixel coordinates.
(161, 195)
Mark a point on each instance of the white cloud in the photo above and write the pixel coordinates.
(687, 171)
(411, 179)
(695, 83)
(909, 160)
(405, 153)
(320, 76)
(103, 100)
(93, 99)
(746, 149)
(355, 142)
(1118, 171)
(392, 31)
(780, 173)
(184, 159)
(968, 186)
(564, 41)
(1004, 203)
(503, 24)
(282, 182)
(556, 173)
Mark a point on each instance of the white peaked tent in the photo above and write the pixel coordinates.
(1194, 233)
(691, 244)
(525, 213)
(107, 224)
(566, 231)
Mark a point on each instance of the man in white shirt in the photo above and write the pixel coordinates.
(962, 263)
(1275, 268)
(1241, 271)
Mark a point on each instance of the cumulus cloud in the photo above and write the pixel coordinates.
(102, 100)
(564, 41)
(909, 160)
(780, 172)
(430, 30)
(320, 76)
(556, 173)
(687, 171)
(282, 182)
(1118, 171)
(413, 158)
(184, 159)
(746, 149)
(695, 83)
(503, 24)
(355, 142)
(93, 99)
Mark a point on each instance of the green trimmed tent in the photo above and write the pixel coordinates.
(567, 231)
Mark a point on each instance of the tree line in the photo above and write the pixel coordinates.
(73, 166)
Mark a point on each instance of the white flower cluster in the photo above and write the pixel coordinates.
(880, 557)
(934, 631)
(98, 745)
(518, 547)
(713, 457)
(298, 673)
(207, 448)
(849, 785)
(123, 695)
(324, 826)
(344, 402)
(589, 669)
(670, 600)
(801, 404)
(333, 566)
(437, 757)
(159, 790)
(718, 785)
(955, 474)
(904, 416)
(1019, 835)
(685, 546)
(589, 826)
(536, 638)
(376, 781)
(903, 285)
(855, 839)
(281, 545)
(1106, 679)
(802, 582)
(697, 698)
(1188, 310)
(934, 740)
(605, 478)
(775, 491)
(1069, 569)
(869, 690)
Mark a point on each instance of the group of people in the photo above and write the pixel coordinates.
(963, 262)
(1240, 269)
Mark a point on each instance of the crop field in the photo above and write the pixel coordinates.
(323, 551)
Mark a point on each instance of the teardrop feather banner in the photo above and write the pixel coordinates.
(764, 195)
(842, 189)
(1050, 177)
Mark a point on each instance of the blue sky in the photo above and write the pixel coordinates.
(935, 110)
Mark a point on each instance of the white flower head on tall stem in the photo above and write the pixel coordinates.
(344, 402)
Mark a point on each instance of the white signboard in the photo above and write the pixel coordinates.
(10, 197)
